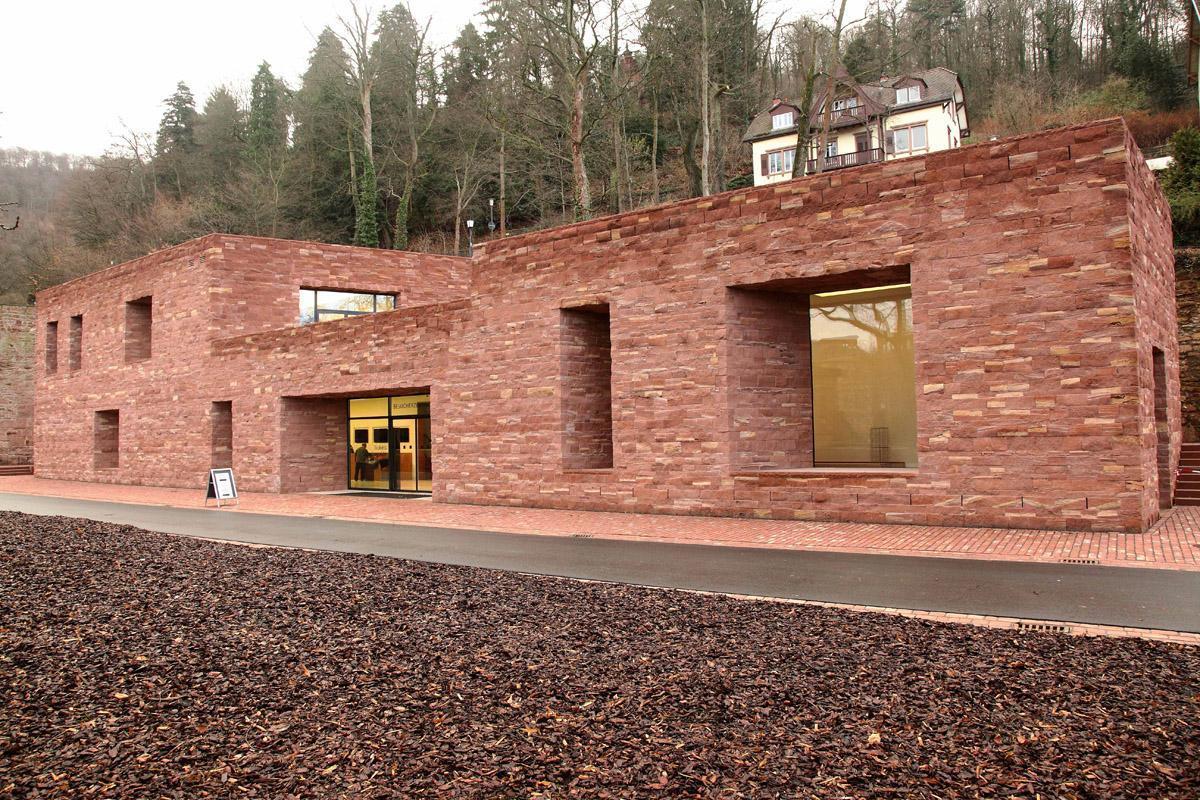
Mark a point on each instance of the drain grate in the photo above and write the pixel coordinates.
(583, 536)
(1046, 627)
(1080, 560)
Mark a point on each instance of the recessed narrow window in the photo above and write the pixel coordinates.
(138, 329)
(51, 348)
(1162, 429)
(586, 381)
(221, 415)
(106, 440)
(75, 353)
(863, 377)
(321, 305)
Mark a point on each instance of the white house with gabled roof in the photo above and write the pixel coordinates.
(896, 117)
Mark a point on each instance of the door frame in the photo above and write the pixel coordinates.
(391, 418)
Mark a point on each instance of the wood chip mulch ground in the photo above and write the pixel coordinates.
(136, 664)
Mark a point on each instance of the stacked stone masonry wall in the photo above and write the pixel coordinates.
(16, 384)
(1035, 306)
(1187, 293)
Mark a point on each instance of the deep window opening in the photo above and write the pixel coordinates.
(138, 329)
(1162, 429)
(106, 445)
(822, 373)
(586, 381)
(863, 377)
(322, 305)
(75, 353)
(221, 415)
(51, 343)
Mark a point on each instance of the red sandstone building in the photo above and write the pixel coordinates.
(980, 336)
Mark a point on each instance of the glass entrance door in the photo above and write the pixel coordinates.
(390, 444)
(404, 443)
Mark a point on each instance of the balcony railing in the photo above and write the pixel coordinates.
(854, 159)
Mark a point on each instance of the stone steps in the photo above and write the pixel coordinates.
(1187, 482)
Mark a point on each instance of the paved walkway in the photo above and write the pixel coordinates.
(1173, 544)
(1157, 603)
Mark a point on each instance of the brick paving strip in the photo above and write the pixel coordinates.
(1174, 543)
(1170, 545)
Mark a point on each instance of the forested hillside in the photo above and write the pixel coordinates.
(556, 110)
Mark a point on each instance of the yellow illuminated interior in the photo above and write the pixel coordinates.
(384, 448)
(863, 378)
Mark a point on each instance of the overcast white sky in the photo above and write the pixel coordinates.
(75, 74)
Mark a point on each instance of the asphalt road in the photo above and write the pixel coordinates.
(1134, 597)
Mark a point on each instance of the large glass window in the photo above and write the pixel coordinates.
(320, 305)
(390, 443)
(863, 378)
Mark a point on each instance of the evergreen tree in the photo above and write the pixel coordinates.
(221, 137)
(177, 130)
(1181, 183)
(366, 226)
(466, 65)
(321, 189)
(267, 127)
(175, 148)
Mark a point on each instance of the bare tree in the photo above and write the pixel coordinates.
(833, 65)
(362, 68)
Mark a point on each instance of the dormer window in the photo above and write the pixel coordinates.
(847, 105)
(908, 94)
(783, 119)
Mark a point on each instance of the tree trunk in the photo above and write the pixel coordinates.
(830, 85)
(400, 238)
(717, 173)
(804, 124)
(583, 191)
(705, 133)
(654, 151)
(353, 168)
(695, 179)
(503, 181)
(367, 122)
(617, 173)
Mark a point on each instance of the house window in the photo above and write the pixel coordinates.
(783, 119)
(139, 316)
(863, 377)
(862, 141)
(321, 305)
(910, 139)
(908, 94)
(831, 148)
(846, 105)
(51, 348)
(75, 349)
(780, 162)
(585, 363)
